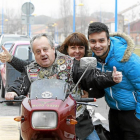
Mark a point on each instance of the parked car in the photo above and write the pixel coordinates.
(8, 44)
(22, 50)
(13, 37)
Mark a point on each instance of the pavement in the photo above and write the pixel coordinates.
(9, 129)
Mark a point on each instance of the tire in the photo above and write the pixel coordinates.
(2, 90)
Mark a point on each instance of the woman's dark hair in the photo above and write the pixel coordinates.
(98, 27)
(74, 39)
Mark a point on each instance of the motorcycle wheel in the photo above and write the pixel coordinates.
(2, 90)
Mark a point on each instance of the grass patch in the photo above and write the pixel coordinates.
(137, 51)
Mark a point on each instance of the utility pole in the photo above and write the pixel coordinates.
(27, 9)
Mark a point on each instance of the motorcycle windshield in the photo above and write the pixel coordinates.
(48, 88)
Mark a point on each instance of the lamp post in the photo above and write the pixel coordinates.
(29, 24)
(128, 27)
(116, 15)
(2, 19)
(56, 33)
(7, 30)
(74, 13)
(81, 4)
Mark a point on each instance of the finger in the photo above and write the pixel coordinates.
(7, 96)
(118, 75)
(3, 57)
(118, 79)
(6, 51)
(2, 54)
(114, 69)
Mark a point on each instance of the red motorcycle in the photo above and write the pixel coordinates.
(49, 111)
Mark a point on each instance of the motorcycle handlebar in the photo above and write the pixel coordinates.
(21, 97)
(86, 100)
(16, 99)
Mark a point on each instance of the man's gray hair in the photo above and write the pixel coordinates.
(50, 39)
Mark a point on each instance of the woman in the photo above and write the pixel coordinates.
(76, 45)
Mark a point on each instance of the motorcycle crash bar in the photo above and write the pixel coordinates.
(85, 99)
(82, 103)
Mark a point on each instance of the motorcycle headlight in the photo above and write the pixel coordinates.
(44, 120)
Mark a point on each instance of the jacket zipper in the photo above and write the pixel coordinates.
(134, 97)
(103, 69)
(113, 98)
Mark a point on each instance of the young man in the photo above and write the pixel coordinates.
(123, 98)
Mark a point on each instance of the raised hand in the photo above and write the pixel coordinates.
(117, 76)
(5, 56)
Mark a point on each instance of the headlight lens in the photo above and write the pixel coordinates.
(44, 120)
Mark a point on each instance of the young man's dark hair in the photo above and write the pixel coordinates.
(97, 27)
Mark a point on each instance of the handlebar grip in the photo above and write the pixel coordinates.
(16, 98)
(21, 97)
(86, 100)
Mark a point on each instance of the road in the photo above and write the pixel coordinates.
(9, 129)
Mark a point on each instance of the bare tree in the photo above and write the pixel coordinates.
(65, 10)
(13, 22)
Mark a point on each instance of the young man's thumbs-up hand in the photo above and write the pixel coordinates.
(117, 76)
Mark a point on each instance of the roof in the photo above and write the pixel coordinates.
(21, 42)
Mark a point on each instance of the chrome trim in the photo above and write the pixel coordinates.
(134, 97)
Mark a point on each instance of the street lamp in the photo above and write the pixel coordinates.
(128, 27)
(73, 15)
(74, 9)
(56, 32)
(7, 30)
(2, 19)
(116, 15)
(29, 24)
